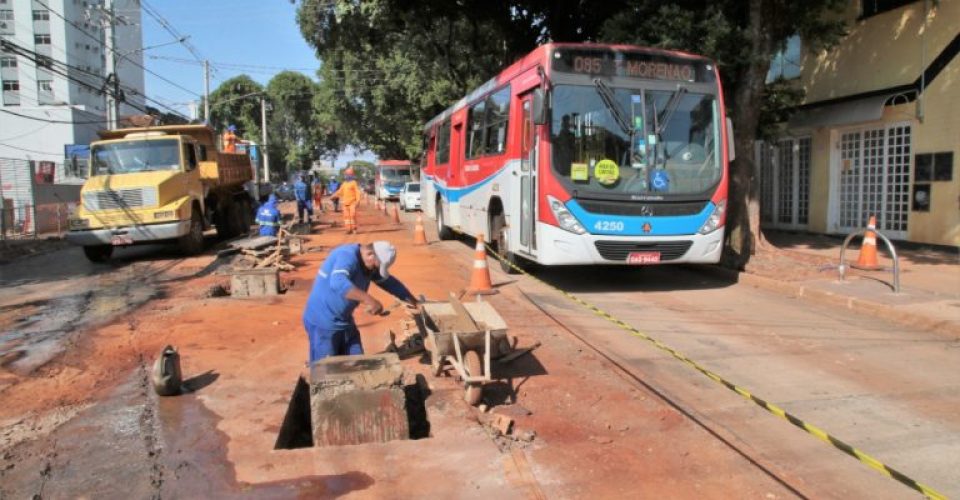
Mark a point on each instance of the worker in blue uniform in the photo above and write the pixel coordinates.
(340, 286)
(301, 191)
(269, 217)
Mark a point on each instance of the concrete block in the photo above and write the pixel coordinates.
(255, 282)
(358, 399)
(296, 246)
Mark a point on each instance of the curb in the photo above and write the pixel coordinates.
(857, 305)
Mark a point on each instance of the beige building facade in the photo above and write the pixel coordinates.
(879, 131)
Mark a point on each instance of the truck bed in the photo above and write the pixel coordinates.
(230, 169)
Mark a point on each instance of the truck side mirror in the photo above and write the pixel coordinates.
(539, 107)
(731, 148)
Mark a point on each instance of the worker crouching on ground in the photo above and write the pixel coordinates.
(269, 217)
(349, 194)
(301, 191)
(340, 286)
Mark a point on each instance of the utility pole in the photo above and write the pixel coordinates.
(109, 43)
(206, 91)
(263, 128)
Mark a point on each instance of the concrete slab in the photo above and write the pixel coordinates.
(358, 399)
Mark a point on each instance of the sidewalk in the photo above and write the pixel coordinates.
(805, 266)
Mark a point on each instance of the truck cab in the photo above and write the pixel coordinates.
(159, 184)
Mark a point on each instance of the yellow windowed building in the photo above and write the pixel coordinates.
(879, 130)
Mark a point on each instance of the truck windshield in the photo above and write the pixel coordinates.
(615, 141)
(135, 156)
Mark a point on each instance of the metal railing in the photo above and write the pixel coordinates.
(842, 268)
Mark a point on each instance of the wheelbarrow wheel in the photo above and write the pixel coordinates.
(471, 362)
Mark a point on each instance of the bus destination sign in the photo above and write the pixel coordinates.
(631, 65)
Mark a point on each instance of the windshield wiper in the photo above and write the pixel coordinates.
(606, 95)
(669, 109)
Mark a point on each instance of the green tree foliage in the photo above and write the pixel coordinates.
(236, 102)
(291, 127)
(390, 65)
(742, 36)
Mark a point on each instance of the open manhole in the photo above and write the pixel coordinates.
(346, 414)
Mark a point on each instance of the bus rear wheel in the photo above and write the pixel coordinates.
(443, 231)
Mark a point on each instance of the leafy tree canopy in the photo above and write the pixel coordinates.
(236, 102)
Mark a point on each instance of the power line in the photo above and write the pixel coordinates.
(26, 150)
(152, 12)
(48, 120)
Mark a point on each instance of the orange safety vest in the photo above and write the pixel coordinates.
(348, 193)
(229, 142)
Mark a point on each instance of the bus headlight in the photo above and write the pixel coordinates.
(566, 220)
(714, 221)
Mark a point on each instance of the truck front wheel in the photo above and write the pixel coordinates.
(98, 253)
(192, 242)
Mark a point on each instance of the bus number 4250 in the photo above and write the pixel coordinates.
(610, 226)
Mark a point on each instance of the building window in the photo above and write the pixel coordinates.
(41, 15)
(45, 85)
(873, 7)
(8, 62)
(6, 15)
(11, 93)
(41, 39)
(786, 63)
(44, 62)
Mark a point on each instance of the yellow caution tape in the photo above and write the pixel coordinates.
(770, 407)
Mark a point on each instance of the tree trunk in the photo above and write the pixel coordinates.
(743, 218)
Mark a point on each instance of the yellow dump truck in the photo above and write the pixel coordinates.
(158, 184)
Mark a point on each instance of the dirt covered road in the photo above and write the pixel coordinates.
(83, 421)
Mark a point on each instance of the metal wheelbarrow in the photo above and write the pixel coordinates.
(464, 336)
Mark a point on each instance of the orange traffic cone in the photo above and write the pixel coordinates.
(396, 214)
(868, 250)
(480, 279)
(419, 235)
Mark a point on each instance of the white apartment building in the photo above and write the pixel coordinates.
(53, 70)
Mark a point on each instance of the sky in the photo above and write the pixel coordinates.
(259, 38)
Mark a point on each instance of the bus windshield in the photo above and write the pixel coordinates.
(135, 156)
(394, 176)
(631, 142)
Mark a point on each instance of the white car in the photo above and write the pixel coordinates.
(410, 196)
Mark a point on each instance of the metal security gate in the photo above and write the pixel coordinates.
(785, 183)
(875, 179)
(17, 207)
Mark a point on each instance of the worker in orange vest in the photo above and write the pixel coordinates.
(349, 195)
(230, 140)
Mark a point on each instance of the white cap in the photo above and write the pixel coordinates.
(386, 253)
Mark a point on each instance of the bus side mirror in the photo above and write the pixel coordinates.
(539, 107)
(731, 148)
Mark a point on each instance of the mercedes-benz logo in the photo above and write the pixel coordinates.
(646, 211)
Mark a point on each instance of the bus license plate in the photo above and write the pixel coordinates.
(643, 258)
(121, 240)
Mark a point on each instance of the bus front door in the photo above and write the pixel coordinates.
(528, 179)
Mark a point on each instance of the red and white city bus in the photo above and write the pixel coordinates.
(586, 154)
